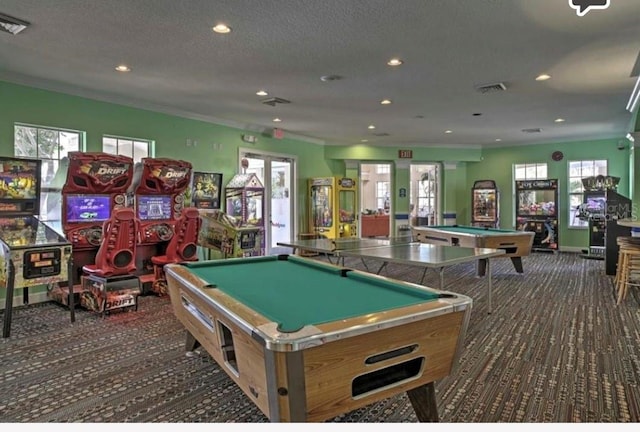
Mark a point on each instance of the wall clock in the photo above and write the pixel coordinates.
(557, 156)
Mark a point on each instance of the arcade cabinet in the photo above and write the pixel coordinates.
(158, 201)
(333, 203)
(536, 211)
(31, 253)
(244, 196)
(603, 206)
(485, 200)
(95, 185)
(229, 236)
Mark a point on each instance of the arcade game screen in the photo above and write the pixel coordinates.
(18, 181)
(88, 208)
(154, 207)
(26, 231)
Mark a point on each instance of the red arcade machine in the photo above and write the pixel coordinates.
(96, 185)
(158, 200)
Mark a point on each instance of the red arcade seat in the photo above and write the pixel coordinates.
(110, 283)
(181, 247)
(117, 252)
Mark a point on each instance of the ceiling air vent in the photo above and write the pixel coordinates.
(532, 130)
(274, 101)
(491, 88)
(12, 25)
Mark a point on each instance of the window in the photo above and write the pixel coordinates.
(51, 146)
(534, 171)
(383, 169)
(577, 171)
(135, 148)
(382, 195)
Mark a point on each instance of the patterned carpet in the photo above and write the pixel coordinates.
(555, 349)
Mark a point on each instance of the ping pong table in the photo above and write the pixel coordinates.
(399, 250)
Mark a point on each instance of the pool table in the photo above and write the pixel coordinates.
(516, 244)
(307, 340)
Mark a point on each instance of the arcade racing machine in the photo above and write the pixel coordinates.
(96, 184)
(158, 200)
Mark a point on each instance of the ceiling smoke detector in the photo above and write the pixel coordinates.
(532, 130)
(491, 88)
(12, 25)
(274, 101)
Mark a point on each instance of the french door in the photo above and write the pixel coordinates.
(277, 173)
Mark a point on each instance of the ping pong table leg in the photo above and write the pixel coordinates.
(424, 273)
(489, 283)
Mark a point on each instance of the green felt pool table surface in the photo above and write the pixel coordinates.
(295, 292)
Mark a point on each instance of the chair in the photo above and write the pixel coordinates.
(182, 247)
(110, 283)
(117, 252)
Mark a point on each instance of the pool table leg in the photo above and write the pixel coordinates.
(517, 264)
(423, 401)
(191, 344)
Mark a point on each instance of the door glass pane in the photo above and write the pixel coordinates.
(281, 217)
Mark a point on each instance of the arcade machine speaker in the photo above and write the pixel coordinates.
(110, 283)
(181, 247)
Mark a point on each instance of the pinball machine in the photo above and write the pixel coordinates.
(158, 199)
(95, 185)
(31, 253)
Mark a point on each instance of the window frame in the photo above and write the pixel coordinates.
(48, 190)
(150, 146)
(572, 209)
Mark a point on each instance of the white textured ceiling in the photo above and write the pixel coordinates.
(284, 46)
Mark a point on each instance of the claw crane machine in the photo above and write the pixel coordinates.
(484, 204)
(333, 203)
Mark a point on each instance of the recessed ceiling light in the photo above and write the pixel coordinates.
(364, 140)
(448, 131)
(385, 102)
(559, 120)
(123, 68)
(222, 29)
(277, 120)
(543, 77)
(262, 93)
(371, 127)
(395, 62)
(498, 140)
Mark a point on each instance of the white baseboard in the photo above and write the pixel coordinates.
(37, 297)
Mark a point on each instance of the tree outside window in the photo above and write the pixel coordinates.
(51, 146)
(577, 171)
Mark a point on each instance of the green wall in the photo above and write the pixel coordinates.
(496, 164)
(217, 150)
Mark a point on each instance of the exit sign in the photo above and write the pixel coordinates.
(405, 154)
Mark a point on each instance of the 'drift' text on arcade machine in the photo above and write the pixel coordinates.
(158, 187)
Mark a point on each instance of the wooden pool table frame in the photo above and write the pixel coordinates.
(307, 375)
